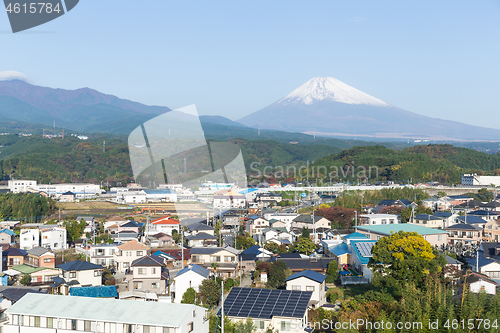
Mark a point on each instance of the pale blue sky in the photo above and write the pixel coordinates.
(437, 58)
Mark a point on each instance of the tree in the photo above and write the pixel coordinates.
(441, 194)
(189, 296)
(210, 292)
(246, 326)
(25, 280)
(215, 266)
(305, 233)
(339, 216)
(404, 257)
(276, 277)
(332, 271)
(74, 229)
(305, 245)
(244, 242)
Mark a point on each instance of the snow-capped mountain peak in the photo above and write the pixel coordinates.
(329, 88)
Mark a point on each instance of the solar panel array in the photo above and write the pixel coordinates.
(365, 248)
(266, 303)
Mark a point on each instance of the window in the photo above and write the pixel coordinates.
(139, 253)
(127, 328)
(153, 270)
(439, 238)
(141, 271)
(190, 327)
(295, 287)
(50, 322)
(310, 288)
(86, 326)
(73, 324)
(97, 273)
(137, 285)
(15, 319)
(47, 260)
(259, 324)
(166, 330)
(155, 285)
(145, 329)
(72, 274)
(228, 259)
(285, 325)
(215, 258)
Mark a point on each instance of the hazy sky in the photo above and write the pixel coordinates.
(437, 58)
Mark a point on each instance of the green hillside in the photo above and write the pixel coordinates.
(443, 163)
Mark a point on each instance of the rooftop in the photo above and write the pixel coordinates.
(103, 309)
(78, 265)
(194, 268)
(388, 229)
(315, 276)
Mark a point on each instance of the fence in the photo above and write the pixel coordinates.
(354, 280)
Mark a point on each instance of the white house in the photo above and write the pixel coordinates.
(284, 310)
(127, 253)
(373, 219)
(480, 282)
(29, 238)
(54, 238)
(229, 199)
(163, 224)
(309, 280)
(190, 276)
(42, 313)
(103, 254)
(82, 272)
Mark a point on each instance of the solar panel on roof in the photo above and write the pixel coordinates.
(365, 248)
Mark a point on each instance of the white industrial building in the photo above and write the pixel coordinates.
(41, 313)
(473, 179)
(146, 195)
(80, 190)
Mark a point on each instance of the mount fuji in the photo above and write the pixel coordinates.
(326, 106)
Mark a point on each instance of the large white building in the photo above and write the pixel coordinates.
(147, 195)
(41, 313)
(473, 179)
(22, 186)
(54, 238)
(55, 190)
(29, 238)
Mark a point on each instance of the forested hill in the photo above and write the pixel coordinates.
(72, 160)
(443, 163)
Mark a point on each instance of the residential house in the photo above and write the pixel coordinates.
(448, 218)
(284, 310)
(127, 253)
(228, 199)
(39, 275)
(40, 313)
(286, 218)
(319, 265)
(202, 239)
(12, 257)
(7, 236)
(434, 236)
(437, 204)
(342, 252)
(487, 215)
(40, 257)
(175, 256)
(148, 274)
(103, 254)
(268, 199)
(360, 256)
(403, 203)
(429, 221)
(254, 253)
(306, 221)
(67, 197)
(373, 219)
(481, 283)
(161, 240)
(197, 228)
(465, 233)
(190, 276)
(309, 280)
(54, 238)
(165, 225)
(256, 225)
(487, 266)
(10, 295)
(221, 261)
(124, 236)
(29, 238)
(81, 273)
(493, 206)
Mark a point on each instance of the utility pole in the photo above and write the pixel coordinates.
(182, 247)
(222, 306)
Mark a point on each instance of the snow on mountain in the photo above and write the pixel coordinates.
(329, 88)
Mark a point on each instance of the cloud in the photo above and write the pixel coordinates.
(13, 75)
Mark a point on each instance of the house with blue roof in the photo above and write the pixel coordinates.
(487, 266)
(309, 280)
(361, 254)
(190, 276)
(7, 236)
(486, 214)
(472, 219)
(465, 233)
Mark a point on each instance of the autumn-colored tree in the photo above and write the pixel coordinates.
(340, 217)
(396, 210)
(404, 257)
